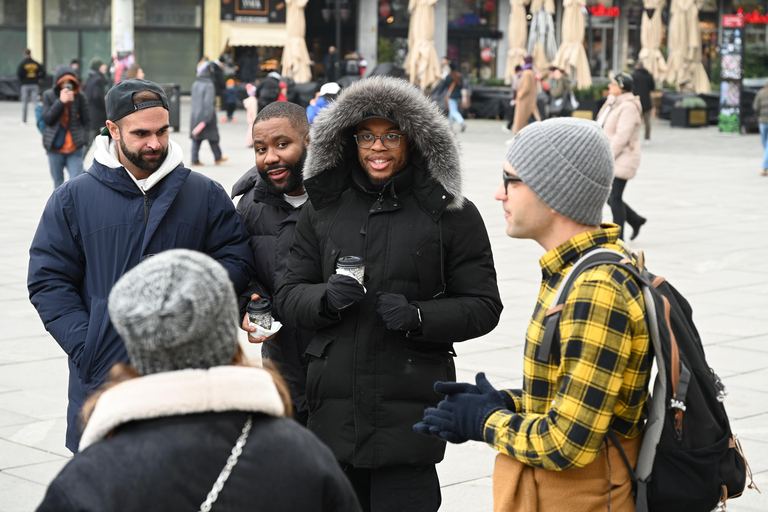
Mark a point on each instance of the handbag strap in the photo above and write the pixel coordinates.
(237, 450)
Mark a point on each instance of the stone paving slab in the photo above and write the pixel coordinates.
(707, 233)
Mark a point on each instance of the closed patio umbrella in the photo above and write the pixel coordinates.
(541, 39)
(421, 63)
(571, 56)
(650, 39)
(295, 55)
(517, 34)
(684, 67)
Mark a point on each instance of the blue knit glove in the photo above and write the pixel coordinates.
(461, 416)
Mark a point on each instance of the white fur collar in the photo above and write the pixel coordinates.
(106, 155)
(222, 388)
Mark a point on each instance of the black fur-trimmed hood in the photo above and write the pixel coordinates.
(332, 147)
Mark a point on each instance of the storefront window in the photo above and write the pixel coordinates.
(78, 12)
(168, 13)
(13, 34)
(394, 14)
(168, 56)
(463, 14)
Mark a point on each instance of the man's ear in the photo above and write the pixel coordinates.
(306, 140)
(114, 131)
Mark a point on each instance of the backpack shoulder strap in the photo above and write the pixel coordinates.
(593, 258)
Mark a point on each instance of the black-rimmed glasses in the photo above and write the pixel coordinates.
(509, 179)
(388, 140)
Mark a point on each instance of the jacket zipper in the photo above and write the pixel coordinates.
(146, 209)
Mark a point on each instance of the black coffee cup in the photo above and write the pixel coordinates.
(259, 313)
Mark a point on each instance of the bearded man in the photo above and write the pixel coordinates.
(135, 201)
(272, 197)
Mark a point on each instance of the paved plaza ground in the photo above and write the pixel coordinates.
(707, 232)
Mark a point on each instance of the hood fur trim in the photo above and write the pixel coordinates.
(419, 118)
(222, 388)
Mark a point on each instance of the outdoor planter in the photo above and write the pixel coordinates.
(688, 117)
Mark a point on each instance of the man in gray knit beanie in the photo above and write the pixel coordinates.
(595, 374)
(176, 310)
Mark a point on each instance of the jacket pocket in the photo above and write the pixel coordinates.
(317, 365)
(98, 323)
(330, 257)
(429, 269)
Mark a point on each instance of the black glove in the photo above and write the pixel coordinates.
(397, 313)
(342, 291)
(463, 413)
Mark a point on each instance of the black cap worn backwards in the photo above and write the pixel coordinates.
(120, 99)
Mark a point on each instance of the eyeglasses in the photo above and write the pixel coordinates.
(388, 140)
(509, 179)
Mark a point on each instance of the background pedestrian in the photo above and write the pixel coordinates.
(202, 119)
(30, 74)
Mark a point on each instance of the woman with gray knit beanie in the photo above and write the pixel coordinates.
(621, 118)
(188, 425)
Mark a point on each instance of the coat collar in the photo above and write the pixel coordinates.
(222, 388)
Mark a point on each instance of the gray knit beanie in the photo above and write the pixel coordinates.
(176, 310)
(568, 163)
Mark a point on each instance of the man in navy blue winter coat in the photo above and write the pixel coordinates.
(135, 201)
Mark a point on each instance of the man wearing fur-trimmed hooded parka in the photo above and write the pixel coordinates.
(384, 183)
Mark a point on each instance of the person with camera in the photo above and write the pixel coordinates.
(67, 119)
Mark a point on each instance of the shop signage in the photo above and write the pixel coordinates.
(753, 17)
(731, 65)
(253, 11)
(486, 55)
(602, 10)
(385, 9)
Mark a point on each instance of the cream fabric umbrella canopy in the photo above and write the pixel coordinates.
(295, 56)
(517, 34)
(541, 39)
(650, 40)
(571, 56)
(421, 63)
(684, 66)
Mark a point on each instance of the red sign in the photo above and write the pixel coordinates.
(602, 10)
(754, 17)
(384, 9)
(485, 54)
(733, 21)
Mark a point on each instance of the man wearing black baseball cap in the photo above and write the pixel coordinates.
(136, 200)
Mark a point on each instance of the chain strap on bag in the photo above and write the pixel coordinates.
(237, 450)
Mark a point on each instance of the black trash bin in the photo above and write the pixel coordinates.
(173, 92)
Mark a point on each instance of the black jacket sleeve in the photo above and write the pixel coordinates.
(471, 306)
(301, 297)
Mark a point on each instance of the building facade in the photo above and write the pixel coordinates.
(168, 37)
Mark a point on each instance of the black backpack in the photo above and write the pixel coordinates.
(689, 459)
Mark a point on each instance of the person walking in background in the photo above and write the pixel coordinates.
(551, 433)
(251, 105)
(760, 105)
(621, 118)
(30, 74)
(453, 85)
(136, 201)
(75, 65)
(202, 120)
(559, 87)
(644, 84)
(67, 122)
(229, 99)
(134, 71)
(384, 182)
(525, 100)
(325, 96)
(330, 64)
(268, 89)
(95, 90)
(154, 426)
(513, 95)
(273, 196)
(283, 96)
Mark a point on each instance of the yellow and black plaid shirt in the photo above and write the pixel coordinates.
(562, 413)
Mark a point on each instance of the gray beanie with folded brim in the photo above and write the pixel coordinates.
(568, 163)
(174, 311)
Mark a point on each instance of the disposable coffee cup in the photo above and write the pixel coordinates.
(353, 266)
(260, 313)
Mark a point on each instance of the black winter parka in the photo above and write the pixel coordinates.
(367, 385)
(271, 221)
